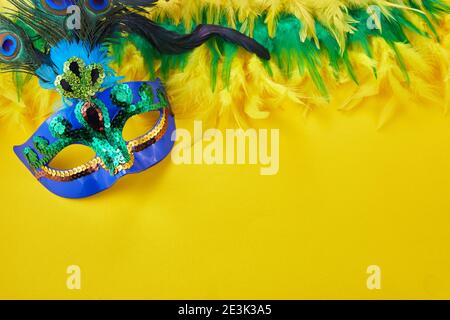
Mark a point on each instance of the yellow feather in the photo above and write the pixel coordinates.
(368, 89)
(167, 10)
(387, 113)
(31, 110)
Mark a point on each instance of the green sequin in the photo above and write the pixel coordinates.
(146, 93)
(59, 127)
(41, 144)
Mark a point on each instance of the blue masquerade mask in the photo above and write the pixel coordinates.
(98, 123)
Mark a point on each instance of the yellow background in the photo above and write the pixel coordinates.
(347, 196)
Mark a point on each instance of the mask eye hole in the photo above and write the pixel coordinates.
(9, 45)
(58, 7)
(139, 125)
(98, 6)
(71, 157)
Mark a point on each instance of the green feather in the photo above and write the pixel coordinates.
(148, 52)
(290, 53)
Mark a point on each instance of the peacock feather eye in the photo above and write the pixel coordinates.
(58, 7)
(9, 45)
(98, 6)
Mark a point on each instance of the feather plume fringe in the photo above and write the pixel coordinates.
(395, 49)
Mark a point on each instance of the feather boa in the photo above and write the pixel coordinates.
(320, 50)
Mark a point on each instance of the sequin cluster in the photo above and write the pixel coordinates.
(100, 133)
